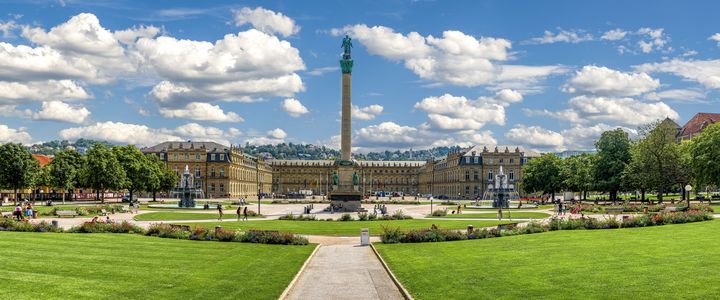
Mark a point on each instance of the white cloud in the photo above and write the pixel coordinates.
(235, 68)
(62, 112)
(705, 72)
(652, 39)
(272, 137)
(581, 137)
(367, 112)
(124, 133)
(322, 71)
(266, 21)
(715, 37)
(390, 135)
(12, 135)
(607, 82)
(18, 92)
(7, 28)
(448, 112)
(131, 35)
(614, 35)
(200, 111)
(626, 111)
(681, 95)
(455, 58)
(535, 136)
(23, 63)
(564, 36)
(293, 107)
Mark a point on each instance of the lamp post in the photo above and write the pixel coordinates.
(688, 188)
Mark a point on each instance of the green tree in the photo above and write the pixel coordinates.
(162, 179)
(704, 151)
(542, 174)
(137, 167)
(101, 170)
(633, 177)
(613, 155)
(64, 171)
(18, 168)
(658, 158)
(577, 173)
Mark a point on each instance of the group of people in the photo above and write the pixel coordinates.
(28, 212)
(242, 211)
(96, 219)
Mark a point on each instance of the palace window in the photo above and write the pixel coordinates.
(490, 161)
(490, 175)
(501, 161)
(467, 175)
(477, 160)
(212, 172)
(212, 156)
(175, 156)
(222, 172)
(197, 172)
(197, 156)
(162, 156)
(187, 156)
(467, 159)
(511, 175)
(475, 175)
(222, 187)
(512, 161)
(212, 187)
(222, 156)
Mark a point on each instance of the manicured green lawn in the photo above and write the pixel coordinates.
(174, 216)
(350, 228)
(514, 215)
(512, 207)
(125, 266)
(664, 262)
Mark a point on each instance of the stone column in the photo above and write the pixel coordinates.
(345, 133)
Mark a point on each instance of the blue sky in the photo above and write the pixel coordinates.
(547, 75)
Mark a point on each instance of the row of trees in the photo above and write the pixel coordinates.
(102, 168)
(652, 163)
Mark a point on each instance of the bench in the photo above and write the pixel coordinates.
(616, 210)
(507, 226)
(8, 214)
(675, 208)
(66, 213)
(103, 212)
(181, 227)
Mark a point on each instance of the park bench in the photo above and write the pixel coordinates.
(181, 227)
(7, 214)
(507, 226)
(675, 208)
(615, 210)
(66, 213)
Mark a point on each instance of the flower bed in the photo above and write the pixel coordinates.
(97, 227)
(397, 215)
(395, 235)
(7, 224)
(638, 208)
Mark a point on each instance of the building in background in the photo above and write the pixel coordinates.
(696, 125)
(220, 171)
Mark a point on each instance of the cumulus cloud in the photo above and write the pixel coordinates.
(266, 20)
(536, 136)
(20, 92)
(625, 111)
(680, 95)
(715, 37)
(607, 82)
(272, 137)
(7, 28)
(235, 68)
(563, 36)
(367, 112)
(614, 35)
(705, 72)
(390, 135)
(62, 112)
(13, 135)
(652, 39)
(293, 107)
(454, 58)
(124, 133)
(200, 111)
(448, 112)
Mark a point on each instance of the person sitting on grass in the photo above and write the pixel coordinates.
(107, 219)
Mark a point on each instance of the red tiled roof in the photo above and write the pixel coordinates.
(42, 159)
(698, 123)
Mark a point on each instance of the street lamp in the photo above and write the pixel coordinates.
(688, 188)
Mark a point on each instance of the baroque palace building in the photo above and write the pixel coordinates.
(222, 171)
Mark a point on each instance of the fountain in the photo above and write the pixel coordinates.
(500, 193)
(186, 191)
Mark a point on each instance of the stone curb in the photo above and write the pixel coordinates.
(286, 292)
(397, 283)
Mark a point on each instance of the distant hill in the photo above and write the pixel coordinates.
(313, 152)
(52, 147)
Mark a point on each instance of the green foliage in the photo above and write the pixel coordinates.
(101, 170)
(704, 154)
(99, 227)
(542, 174)
(312, 152)
(346, 217)
(18, 169)
(8, 224)
(439, 213)
(160, 178)
(65, 170)
(612, 157)
(577, 172)
(140, 173)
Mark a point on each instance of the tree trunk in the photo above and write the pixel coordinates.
(131, 195)
(642, 195)
(154, 199)
(15, 196)
(97, 195)
(63, 195)
(553, 197)
(660, 195)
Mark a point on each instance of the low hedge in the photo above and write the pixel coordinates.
(98, 227)
(434, 234)
(8, 224)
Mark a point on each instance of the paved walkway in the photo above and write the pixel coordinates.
(344, 270)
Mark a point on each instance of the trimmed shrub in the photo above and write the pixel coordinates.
(97, 227)
(271, 237)
(440, 213)
(7, 224)
(363, 216)
(346, 217)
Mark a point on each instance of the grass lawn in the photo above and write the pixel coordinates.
(516, 215)
(174, 216)
(349, 228)
(664, 262)
(125, 266)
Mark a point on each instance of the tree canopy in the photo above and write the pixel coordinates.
(613, 155)
(542, 174)
(18, 168)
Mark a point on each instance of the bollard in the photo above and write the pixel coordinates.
(364, 237)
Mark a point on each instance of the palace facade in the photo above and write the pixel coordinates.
(222, 171)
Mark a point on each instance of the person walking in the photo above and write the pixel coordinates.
(500, 215)
(220, 211)
(245, 213)
(238, 212)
